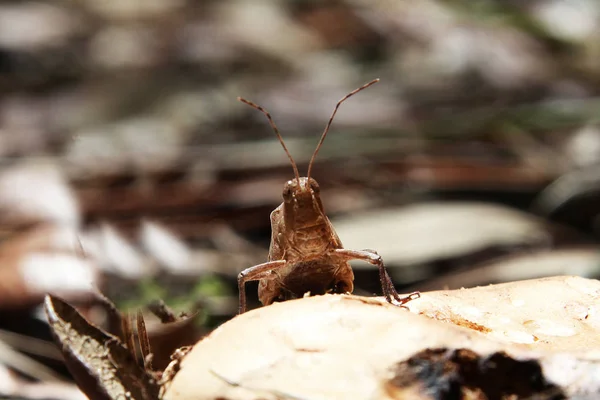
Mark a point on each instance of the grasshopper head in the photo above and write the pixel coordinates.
(302, 203)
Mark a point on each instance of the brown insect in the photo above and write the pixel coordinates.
(306, 255)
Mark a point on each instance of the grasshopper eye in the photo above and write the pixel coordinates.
(314, 186)
(287, 191)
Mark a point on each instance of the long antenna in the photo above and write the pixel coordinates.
(352, 93)
(259, 108)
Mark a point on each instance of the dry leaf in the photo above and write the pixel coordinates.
(114, 253)
(166, 248)
(426, 232)
(44, 259)
(101, 365)
(580, 262)
(36, 192)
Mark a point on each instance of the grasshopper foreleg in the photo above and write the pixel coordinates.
(260, 271)
(387, 286)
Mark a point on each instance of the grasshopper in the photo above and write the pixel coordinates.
(306, 254)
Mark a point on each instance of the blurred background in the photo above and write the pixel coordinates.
(127, 165)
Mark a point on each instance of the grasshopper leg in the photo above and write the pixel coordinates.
(387, 286)
(255, 273)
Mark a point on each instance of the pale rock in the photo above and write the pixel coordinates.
(342, 347)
